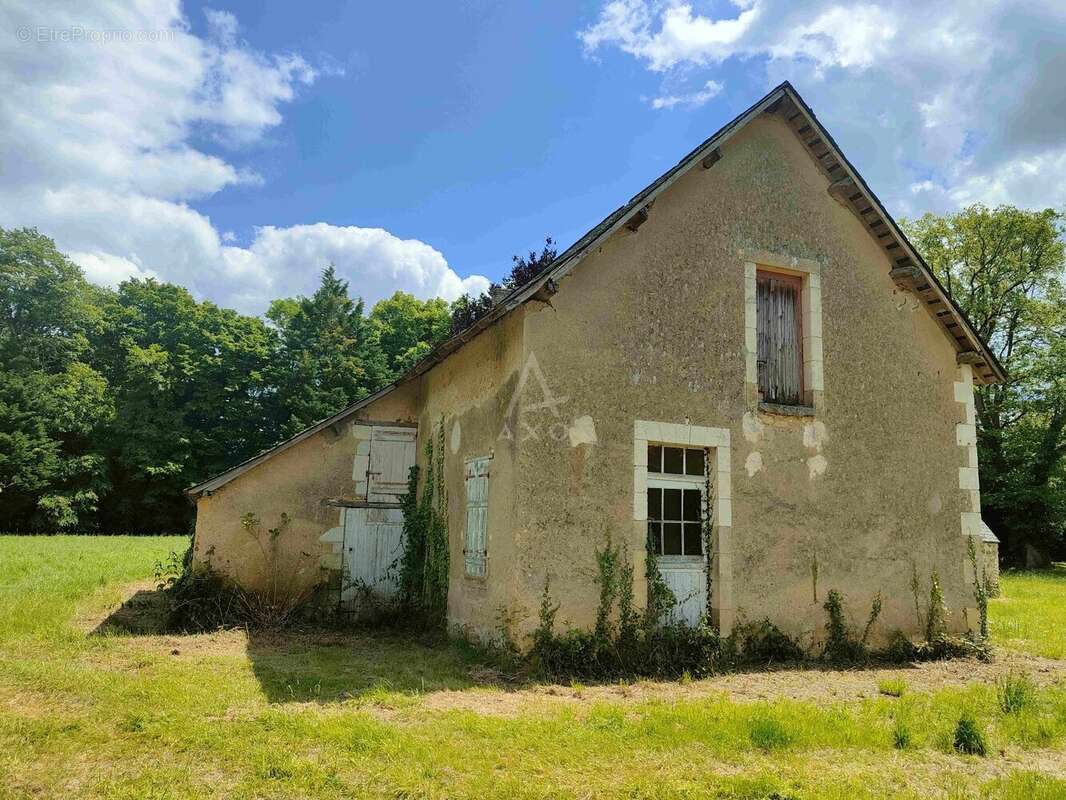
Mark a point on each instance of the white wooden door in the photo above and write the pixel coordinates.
(373, 537)
(687, 579)
(676, 509)
(373, 544)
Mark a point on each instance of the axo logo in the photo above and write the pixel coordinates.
(544, 418)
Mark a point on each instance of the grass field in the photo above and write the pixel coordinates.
(86, 711)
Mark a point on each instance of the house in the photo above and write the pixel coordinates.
(751, 336)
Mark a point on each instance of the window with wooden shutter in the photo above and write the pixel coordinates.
(477, 515)
(778, 320)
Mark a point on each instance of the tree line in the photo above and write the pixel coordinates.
(112, 402)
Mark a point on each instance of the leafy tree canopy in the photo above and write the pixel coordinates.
(1004, 267)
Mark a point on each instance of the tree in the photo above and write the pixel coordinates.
(191, 393)
(52, 403)
(329, 355)
(407, 329)
(467, 310)
(1004, 268)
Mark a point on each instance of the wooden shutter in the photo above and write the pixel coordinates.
(477, 516)
(778, 323)
(392, 454)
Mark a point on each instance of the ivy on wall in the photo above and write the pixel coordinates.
(424, 565)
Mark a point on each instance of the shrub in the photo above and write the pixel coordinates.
(763, 643)
(636, 645)
(767, 733)
(969, 738)
(1015, 692)
(893, 687)
(199, 599)
(841, 646)
(899, 650)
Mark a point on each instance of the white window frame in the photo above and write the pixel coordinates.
(475, 542)
(717, 441)
(671, 480)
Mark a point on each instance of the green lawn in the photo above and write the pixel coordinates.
(1031, 615)
(86, 711)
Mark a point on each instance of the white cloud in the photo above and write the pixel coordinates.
(710, 90)
(97, 139)
(375, 262)
(966, 106)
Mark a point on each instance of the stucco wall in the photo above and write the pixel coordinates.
(651, 327)
(469, 394)
(294, 483)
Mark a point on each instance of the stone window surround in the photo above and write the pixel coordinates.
(810, 272)
(723, 610)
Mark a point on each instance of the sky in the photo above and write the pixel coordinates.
(238, 148)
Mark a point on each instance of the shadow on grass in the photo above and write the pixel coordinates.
(319, 664)
(381, 667)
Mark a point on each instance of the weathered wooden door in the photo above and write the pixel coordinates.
(392, 454)
(780, 357)
(373, 533)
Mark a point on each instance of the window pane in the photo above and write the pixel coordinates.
(693, 462)
(671, 538)
(692, 505)
(655, 537)
(673, 460)
(672, 504)
(693, 539)
(655, 503)
(655, 458)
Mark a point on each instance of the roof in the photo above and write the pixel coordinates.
(987, 535)
(846, 185)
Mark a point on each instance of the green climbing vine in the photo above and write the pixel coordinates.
(423, 574)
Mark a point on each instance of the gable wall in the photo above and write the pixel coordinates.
(651, 327)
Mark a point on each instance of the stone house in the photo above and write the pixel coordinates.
(750, 337)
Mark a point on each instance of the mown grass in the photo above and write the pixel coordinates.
(237, 716)
(1031, 614)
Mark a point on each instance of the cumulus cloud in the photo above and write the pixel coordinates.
(937, 104)
(98, 142)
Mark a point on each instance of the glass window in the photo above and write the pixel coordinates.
(672, 539)
(675, 524)
(694, 462)
(655, 503)
(674, 460)
(655, 458)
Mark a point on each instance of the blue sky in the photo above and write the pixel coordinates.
(484, 131)
(236, 148)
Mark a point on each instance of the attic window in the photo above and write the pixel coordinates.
(780, 335)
